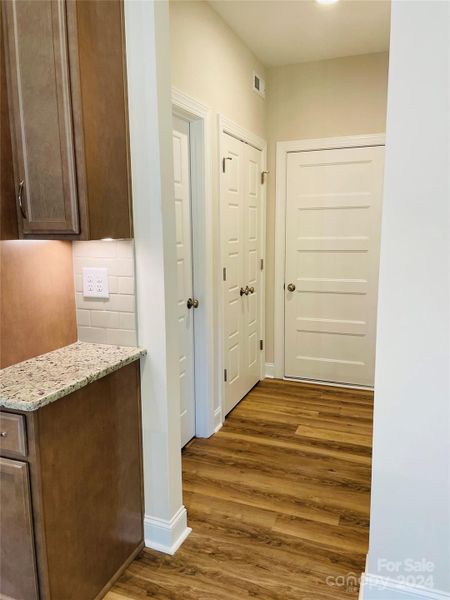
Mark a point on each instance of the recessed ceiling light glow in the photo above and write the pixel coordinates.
(326, 1)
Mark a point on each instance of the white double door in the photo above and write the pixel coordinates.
(184, 267)
(240, 201)
(333, 215)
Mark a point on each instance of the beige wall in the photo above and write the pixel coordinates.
(211, 64)
(339, 97)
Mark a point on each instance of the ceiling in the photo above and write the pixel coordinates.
(283, 32)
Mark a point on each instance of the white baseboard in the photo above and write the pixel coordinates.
(361, 588)
(166, 535)
(218, 421)
(269, 370)
(349, 386)
(374, 587)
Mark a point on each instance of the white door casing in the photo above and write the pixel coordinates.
(208, 411)
(182, 190)
(240, 201)
(333, 211)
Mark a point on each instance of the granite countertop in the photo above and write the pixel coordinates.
(38, 381)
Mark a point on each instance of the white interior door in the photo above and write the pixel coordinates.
(181, 162)
(240, 234)
(252, 272)
(333, 216)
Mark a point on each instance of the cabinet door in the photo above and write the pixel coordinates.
(36, 37)
(18, 578)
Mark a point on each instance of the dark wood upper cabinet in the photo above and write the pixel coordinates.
(41, 117)
(66, 85)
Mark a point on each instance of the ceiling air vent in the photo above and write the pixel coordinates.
(259, 85)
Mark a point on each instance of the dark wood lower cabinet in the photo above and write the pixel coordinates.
(72, 510)
(17, 559)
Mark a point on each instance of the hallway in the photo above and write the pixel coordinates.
(278, 501)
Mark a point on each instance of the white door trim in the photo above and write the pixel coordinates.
(198, 115)
(225, 125)
(283, 149)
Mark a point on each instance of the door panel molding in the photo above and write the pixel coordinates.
(226, 126)
(282, 152)
(205, 335)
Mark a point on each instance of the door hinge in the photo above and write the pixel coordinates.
(225, 374)
(262, 263)
(261, 344)
(224, 159)
(224, 273)
(263, 176)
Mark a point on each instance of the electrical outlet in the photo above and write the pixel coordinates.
(95, 283)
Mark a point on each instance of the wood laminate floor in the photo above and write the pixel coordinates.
(278, 501)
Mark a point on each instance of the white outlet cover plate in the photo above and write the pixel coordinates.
(95, 282)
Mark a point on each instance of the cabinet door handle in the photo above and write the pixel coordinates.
(20, 199)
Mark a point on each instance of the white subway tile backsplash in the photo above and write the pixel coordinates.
(127, 321)
(123, 267)
(126, 285)
(96, 249)
(107, 320)
(113, 283)
(84, 317)
(115, 302)
(121, 337)
(95, 335)
(125, 249)
(79, 262)
(90, 303)
(122, 303)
